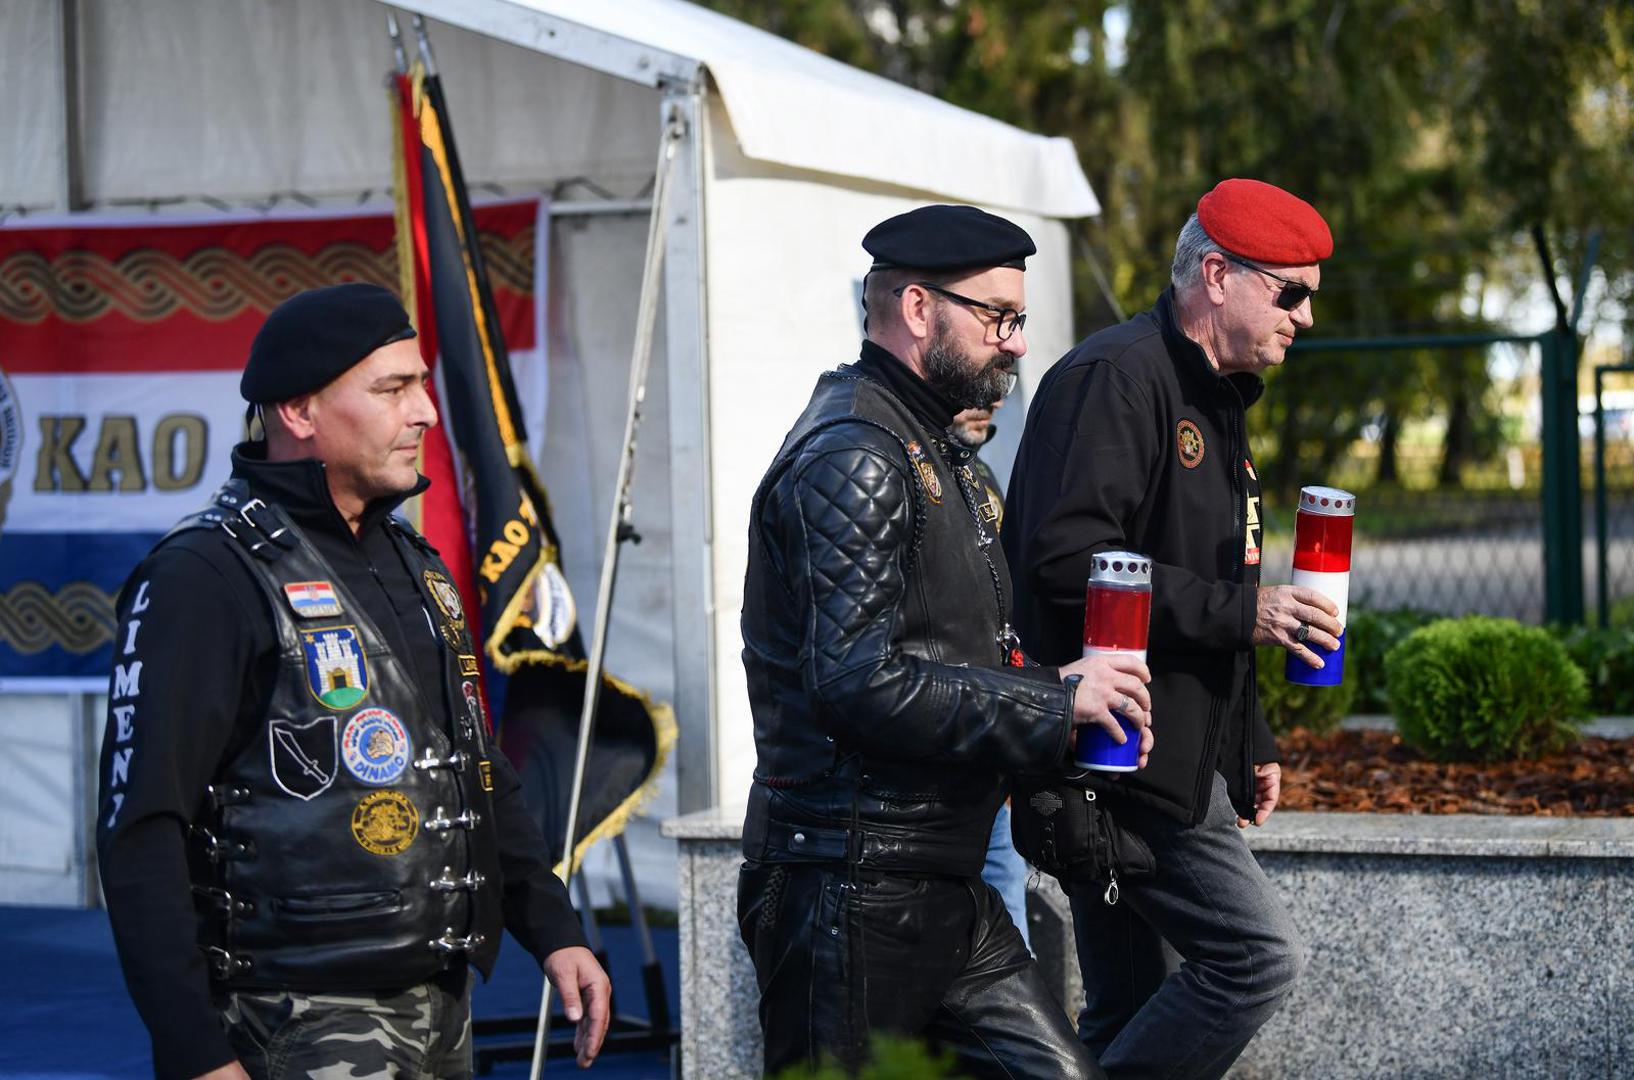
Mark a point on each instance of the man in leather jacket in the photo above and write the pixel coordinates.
(1136, 440)
(877, 638)
(305, 836)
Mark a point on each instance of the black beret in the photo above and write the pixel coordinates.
(315, 336)
(948, 238)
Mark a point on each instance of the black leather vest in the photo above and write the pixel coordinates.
(352, 843)
(921, 815)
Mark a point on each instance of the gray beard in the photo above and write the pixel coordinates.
(950, 373)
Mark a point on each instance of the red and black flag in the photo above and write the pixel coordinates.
(523, 616)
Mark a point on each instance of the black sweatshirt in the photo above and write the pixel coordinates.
(1133, 441)
(209, 657)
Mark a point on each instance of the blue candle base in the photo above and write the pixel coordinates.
(1297, 671)
(1096, 750)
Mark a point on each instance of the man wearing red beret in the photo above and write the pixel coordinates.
(1136, 440)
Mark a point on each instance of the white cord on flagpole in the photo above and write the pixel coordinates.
(640, 360)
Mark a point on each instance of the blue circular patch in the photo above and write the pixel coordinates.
(375, 746)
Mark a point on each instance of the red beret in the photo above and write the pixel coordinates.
(1262, 222)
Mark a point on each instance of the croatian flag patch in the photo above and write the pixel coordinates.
(312, 599)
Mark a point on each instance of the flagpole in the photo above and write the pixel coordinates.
(640, 361)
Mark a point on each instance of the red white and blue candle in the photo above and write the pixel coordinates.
(1117, 618)
(1322, 531)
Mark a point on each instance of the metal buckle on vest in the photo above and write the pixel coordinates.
(224, 849)
(226, 795)
(224, 965)
(228, 906)
(456, 760)
(442, 822)
(448, 944)
(449, 883)
(275, 536)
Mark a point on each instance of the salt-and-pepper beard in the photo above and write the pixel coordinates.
(949, 371)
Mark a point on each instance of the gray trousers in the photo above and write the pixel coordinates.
(1239, 952)
(422, 1033)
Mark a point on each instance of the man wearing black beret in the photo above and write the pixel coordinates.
(889, 691)
(305, 837)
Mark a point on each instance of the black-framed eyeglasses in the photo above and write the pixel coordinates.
(1291, 295)
(1008, 320)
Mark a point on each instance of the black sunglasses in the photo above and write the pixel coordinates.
(1010, 321)
(1292, 294)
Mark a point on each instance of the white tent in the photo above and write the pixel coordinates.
(179, 105)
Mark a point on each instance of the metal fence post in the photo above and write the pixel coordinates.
(1562, 480)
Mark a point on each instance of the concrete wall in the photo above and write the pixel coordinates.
(1440, 947)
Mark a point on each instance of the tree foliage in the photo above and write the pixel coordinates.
(1434, 135)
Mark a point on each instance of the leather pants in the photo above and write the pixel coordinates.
(840, 959)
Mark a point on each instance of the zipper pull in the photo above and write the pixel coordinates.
(1111, 894)
(1010, 648)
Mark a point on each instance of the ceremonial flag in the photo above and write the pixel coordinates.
(526, 622)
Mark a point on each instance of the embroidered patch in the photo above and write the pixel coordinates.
(1046, 803)
(385, 823)
(335, 669)
(473, 709)
(485, 769)
(303, 756)
(1189, 440)
(468, 665)
(375, 747)
(927, 472)
(312, 599)
(447, 597)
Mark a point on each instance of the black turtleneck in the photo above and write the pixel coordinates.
(928, 406)
(368, 563)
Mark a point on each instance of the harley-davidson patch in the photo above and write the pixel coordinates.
(1189, 441)
(385, 823)
(1046, 803)
(303, 756)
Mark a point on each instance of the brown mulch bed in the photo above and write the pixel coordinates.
(1373, 771)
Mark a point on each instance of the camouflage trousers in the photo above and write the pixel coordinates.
(422, 1033)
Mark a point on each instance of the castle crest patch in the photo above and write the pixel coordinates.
(336, 671)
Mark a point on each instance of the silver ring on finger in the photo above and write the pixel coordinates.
(1126, 705)
(1303, 634)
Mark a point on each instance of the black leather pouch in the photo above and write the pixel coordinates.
(1064, 828)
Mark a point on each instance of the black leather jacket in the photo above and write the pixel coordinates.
(875, 628)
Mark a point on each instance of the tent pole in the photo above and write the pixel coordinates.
(686, 357)
(71, 196)
(618, 528)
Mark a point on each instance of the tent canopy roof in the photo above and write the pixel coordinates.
(795, 107)
(264, 99)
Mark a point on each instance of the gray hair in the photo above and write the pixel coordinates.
(1189, 250)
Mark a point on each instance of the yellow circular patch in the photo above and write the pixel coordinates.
(1189, 441)
(385, 822)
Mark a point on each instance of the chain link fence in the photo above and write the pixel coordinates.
(1443, 448)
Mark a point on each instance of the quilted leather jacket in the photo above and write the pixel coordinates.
(875, 628)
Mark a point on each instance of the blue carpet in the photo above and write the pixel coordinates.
(64, 1014)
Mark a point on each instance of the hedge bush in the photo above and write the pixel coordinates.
(1369, 637)
(1607, 660)
(889, 1059)
(1621, 613)
(1289, 705)
(1484, 689)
